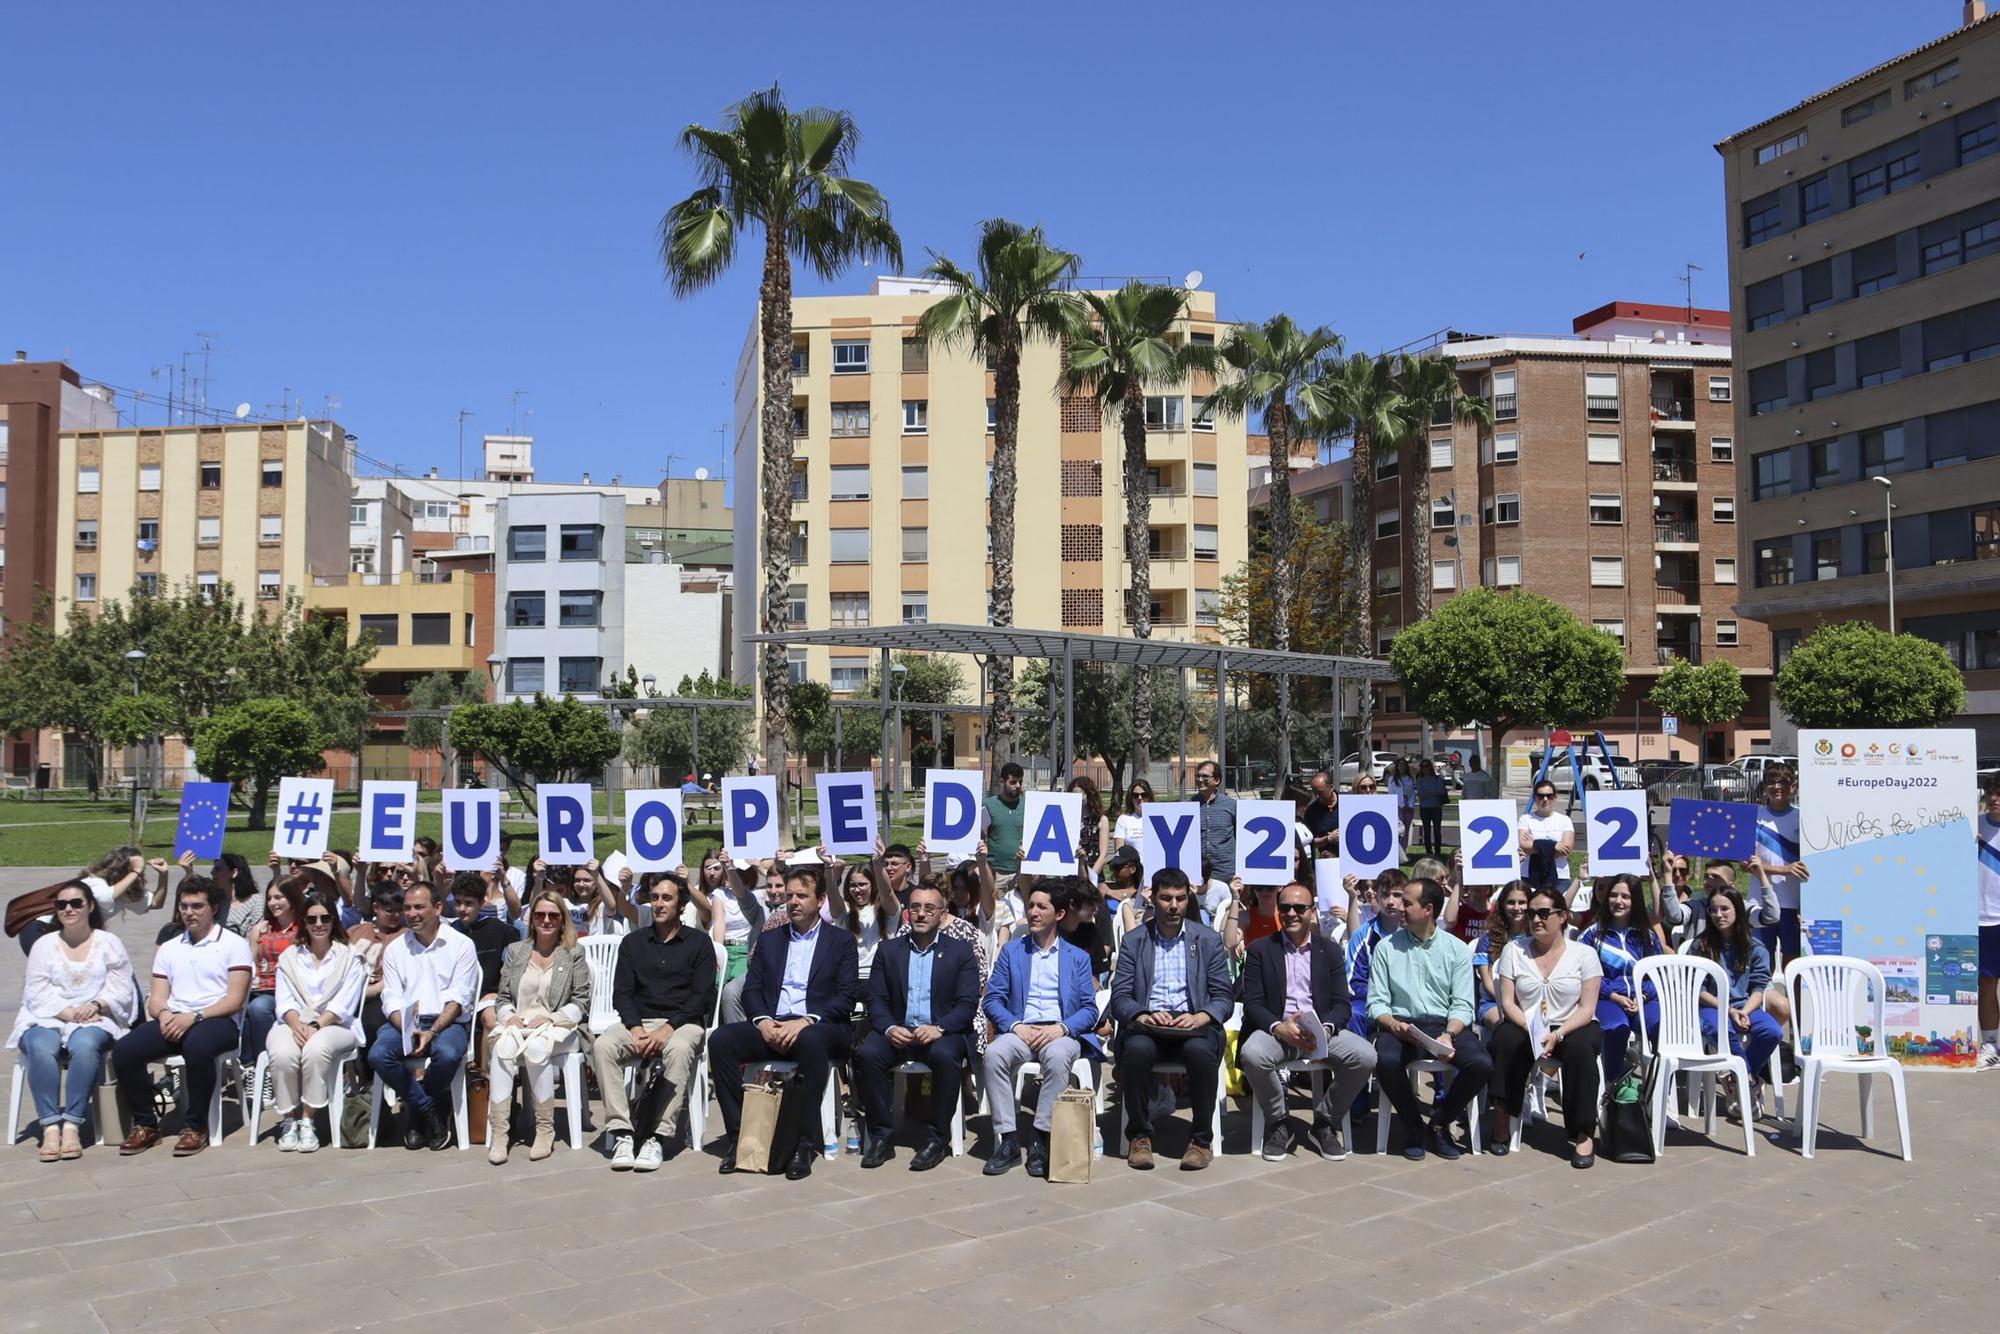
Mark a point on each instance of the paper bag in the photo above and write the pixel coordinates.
(1070, 1136)
(759, 1141)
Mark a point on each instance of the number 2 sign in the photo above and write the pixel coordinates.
(1488, 831)
(1618, 831)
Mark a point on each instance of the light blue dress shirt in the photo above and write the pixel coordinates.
(920, 985)
(798, 968)
(1170, 974)
(1044, 984)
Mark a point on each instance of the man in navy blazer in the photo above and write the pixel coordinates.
(1042, 999)
(1171, 995)
(800, 994)
(923, 995)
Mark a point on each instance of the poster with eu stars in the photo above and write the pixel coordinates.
(1887, 829)
(204, 813)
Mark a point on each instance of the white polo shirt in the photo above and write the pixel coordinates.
(197, 971)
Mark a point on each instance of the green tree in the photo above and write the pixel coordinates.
(786, 173)
(1126, 348)
(927, 678)
(441, 690)
(1322, 614)
(1701, 696)
(258, 742)
(1854, 675)
(1428, 388)
(665, 737)
(65, 680)
(544, 740)
(1016, 295)
(1103, 720)
(811, 717)
(1278, 369)
(290, 655)
(1509, 660)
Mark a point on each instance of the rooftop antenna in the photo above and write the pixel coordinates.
(463, 413)
(514, 411)
(207, 346)
(1688, 271)
(669, 475)
(1193, 279)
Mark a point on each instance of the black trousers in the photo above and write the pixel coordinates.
(818, 1047)
(1471, 1068)
(875, 1080)
(1139, 1050)
(1432, 820)
(199, 1047)
(1578, 1052)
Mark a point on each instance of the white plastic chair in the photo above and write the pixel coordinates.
(253, 1112)
(1234, 1021)
(697, 1094)
(17, 1098)
(457, 1104)
(908, 1070)
(1827, 992)
(1774, 1070)
(1385, 1111)
(1083, 1071)
(225, 1064)
(1679, 981)
(1318, 1072)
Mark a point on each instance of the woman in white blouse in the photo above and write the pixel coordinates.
(79, 998)
(541, 1003)
(322, 982)
(1548, 987)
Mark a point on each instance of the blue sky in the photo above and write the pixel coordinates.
(421, 208)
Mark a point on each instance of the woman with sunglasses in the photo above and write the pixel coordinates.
(1548, 995)
(276, 932)
(78, 999)
(1547, 837)
(1622, 932)
(1131, 826)
(1094, 846)
(321, 984)
(538, 1018)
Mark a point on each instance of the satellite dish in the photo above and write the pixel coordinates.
(1193, 279)
(701, 474)
(242, 411)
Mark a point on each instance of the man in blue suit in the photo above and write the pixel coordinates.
(923, 995)
(800, 994)
(1042, 1000)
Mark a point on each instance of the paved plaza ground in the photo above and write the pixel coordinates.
(242, 1239)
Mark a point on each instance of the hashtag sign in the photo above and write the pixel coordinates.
(302, 820)
(304, 808)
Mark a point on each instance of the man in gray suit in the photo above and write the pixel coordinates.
(1171, 995)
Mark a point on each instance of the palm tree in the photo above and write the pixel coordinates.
(786, 172)
(1018, 294)
(1428, 385)
(1276, 368)
(1123, 351)
(1363, 405)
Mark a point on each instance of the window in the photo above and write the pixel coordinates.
(1820, 374)
(1940, 255)
(1725, 570)
(1616, 629)
(850, 419)
(1825, 556)
(1878, 358)
(208, 585)
(580, 607)
(1204, 479)
(799, 420)
(916, 416)
(1868, 183)
(1718, 388)
(1774, 563)
(1600, 395)
(1444, 516)
(1388, 523)
(1486, 512)
(1166, 412)
(1815, 198)
(795, 666)
(992, 415)
(850, 482)
(916, 483)
(273, 472)
(435, 509)
(1762, 219)
(1507, 448)
(1978, 141)
(581, 541)
(1874, 549)
(1816, 286)
(578, 676)
(1204, 419)
(357, 514)
(1962, 336)
(795, 604)
(916, 608)
(850, 609)
(149, 480)
(1444, 576)
(849, 674)
(847, 546)
(801, 358)
(525, 676)
(1440, 452)
(1860, 111)
(1506, 405)
(1764, 303)
(1389, 580)
(1721, 449)
(1875, 266)
(1826, 463)
(269, 588)
(798, 553)
(1507, 507)
(1768, 390)
(88, 482)
(1772, 475)
(916, 356)
(149, 584)
(1507, 572)
(801, 483)
(1607, 509)
(211, 476)
(1725, 634)
(1207, 607)
(1779, 147)
(528, 543)
(1723, 509)
(361, 560)
(86, 534)
(86, 588)
(387, 628)
(1607, 571)
(527, 611)
(1931, 78)
(208, 532)
(148, 531)
(1387, 465)
(850, 357)
(1604, 449)
(1207, 542)
(270, 529)
(916, 545)
(426, 627)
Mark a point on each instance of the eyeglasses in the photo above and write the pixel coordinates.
(925, 909)
(65, 905)
(547, 916)
(1364, 787)
(1289, 908)
(1543, 914)
(318, 919)
(1545, 796)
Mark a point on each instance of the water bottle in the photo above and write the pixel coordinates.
(1096, 1140)
(853, 1142)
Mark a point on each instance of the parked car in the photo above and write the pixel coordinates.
(1652, 771)
(1712, 782)
(1754, 768)
(1595, 774)
(1378, 766)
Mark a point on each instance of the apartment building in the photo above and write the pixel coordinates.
(561, 594)
(893, 455)
(1864, 226)
(1608, 483)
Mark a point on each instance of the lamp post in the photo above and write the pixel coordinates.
(1889, 543)
(135, 660)
(497, 666)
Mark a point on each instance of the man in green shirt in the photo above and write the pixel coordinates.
(1420, 985)
(1005, 811)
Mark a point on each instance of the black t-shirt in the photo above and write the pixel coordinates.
(1321, 818)
(1091, 941)
(490, 938)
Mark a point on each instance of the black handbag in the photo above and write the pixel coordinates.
(1628, 1125)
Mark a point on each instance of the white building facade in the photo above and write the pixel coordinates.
(560, 586)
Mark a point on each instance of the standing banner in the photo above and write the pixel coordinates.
(847, 813)
(1052, 825)
(305, 809)
(1617, 826)
(1264, 841)
(388, 822)
(1488, 830)
(1369, 843)
(952, 811)
(750, 817)
(471, 829)
(1173, 838)
(562, 812)
(1888, 829)
(652, 831)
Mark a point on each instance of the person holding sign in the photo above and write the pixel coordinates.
(1778, 864)
(923, 997)
(1296, 1006)
(1420, 999)
(1548, 993)
(1218, 821)
(1006, 816)
(1171, 994)
(1042, 1003)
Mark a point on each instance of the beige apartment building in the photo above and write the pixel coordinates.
(889, 497)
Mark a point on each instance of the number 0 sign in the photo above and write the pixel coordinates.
(1617, 825)
(1368, 841)
(1492, 848)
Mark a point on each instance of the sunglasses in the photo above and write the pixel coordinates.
(64, 905)
(548, 917)
(1543, 914)
(925, 909)
(1545, 796)
(1294, 907)
(318, 919)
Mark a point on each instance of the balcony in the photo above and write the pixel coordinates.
(1506, 407)
(1673, 472)
(1677, 595)
(1670, 650)
(1601, 407)
(1672, 414)
(1670, 534)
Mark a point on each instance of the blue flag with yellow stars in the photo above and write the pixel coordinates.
(1725, 830)
(204, 812)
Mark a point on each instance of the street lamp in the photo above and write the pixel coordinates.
(647, 682)
(496, 665)
(1889, 543)
(135, 660)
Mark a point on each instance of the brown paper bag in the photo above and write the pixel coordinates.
(1070, 1136)
(755, 1137)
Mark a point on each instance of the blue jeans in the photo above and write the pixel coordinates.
(53, 1103)
(260, 1015)
(447, 1053)
(1617, 1025)
(1755, 1046)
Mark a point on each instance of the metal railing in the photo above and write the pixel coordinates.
(1674, 530)
(1673, 469)
(1673, 409)
(1507, 406)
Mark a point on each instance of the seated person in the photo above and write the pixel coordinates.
(321, 981)
(538, 1015)
(490, 934)
(1507, 921)
(1170, 994)
(1753, 1033)
(663, 988)
(1079, 902)
(1548, 995)
(1362, 939)
(923, 997)
(1043, 1007)
(430, 978)
(78, 998)
(1421, 982)
(1622, 933)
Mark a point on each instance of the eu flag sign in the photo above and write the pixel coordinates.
(1725, 830)
(204, 811)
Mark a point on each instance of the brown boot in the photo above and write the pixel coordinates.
(545, 1128)
(497, 1116)
(142, 1138)
(1140, 1155)
(1197, 1157)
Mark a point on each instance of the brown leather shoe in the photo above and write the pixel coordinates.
(141, 1139)
(1140, 1155)
(1197, 1157)
(190, 1143)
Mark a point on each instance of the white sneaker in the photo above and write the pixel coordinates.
(1989, 1056)
(288, 1136)
(621, 1154)
(308, 1136)
(650, 1155)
